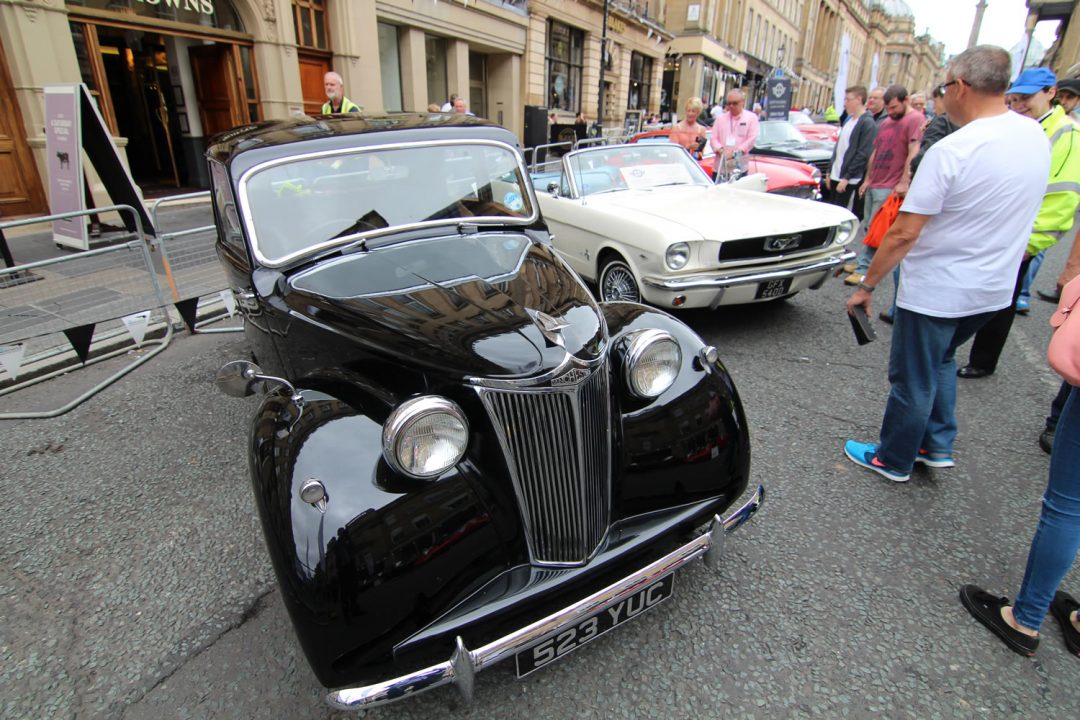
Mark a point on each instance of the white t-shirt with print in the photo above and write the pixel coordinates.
(982, 187)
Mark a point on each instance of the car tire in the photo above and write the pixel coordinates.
(617, 283)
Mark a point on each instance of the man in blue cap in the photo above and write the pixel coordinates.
(1031, 95)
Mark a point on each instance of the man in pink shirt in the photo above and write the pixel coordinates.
(735, 130)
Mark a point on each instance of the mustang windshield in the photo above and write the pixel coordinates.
(778, 132)
(634, 167)
(312, 203)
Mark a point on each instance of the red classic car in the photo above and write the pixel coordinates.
(813, 130)
(784, 177)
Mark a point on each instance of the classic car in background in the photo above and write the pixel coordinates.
(812, 130)
(777, 138)
(461, 457)
(784, 177)
(644, 223)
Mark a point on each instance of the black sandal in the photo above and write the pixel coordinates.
(986, 608)
(1062, 607)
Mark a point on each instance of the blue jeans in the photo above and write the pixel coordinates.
(1029, 277)
(921, 409)
(872, 202)
(1054, 547)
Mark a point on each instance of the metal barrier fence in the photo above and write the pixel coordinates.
(51, 306)
(191, 266)
(543, 158)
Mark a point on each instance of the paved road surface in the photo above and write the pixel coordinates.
(134, 583)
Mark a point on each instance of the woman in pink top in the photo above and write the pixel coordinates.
(689, 132)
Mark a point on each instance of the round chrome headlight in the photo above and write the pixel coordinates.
(844, 232)
(425, 436)
(677, 256)
(652, 362)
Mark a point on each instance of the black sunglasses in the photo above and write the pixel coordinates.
(939, 91)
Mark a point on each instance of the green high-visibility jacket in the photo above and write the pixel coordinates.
(347, 106)
(1058, 207)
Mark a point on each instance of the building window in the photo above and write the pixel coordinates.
(640, 81)
(390, 67)
(435, 50)
(565, 53)
(310, 19)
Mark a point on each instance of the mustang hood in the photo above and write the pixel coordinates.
(715, 212)
(489, 305)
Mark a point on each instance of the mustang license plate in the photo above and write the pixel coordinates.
(773, 288)
(571, 638)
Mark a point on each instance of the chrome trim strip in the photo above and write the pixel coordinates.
(249, 226)
(541, 382)
(700, 282)
(459, 670)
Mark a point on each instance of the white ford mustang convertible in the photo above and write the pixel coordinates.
(645, 224)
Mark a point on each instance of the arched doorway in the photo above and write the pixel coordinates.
(167, 76)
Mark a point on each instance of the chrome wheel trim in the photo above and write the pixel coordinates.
(617, 283)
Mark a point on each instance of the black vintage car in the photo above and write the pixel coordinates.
(461, 457)
(780, 138)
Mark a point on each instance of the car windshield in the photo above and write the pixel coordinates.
(304, 205)
(798, 117)
(633, 167)
(778, 132)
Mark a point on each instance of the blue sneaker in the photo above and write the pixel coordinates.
(1023, 307)
(937, 460)
(865, 454)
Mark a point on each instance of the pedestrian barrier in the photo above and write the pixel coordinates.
(50, 307)
(192, 271)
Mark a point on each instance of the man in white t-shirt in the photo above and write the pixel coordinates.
(960, 235)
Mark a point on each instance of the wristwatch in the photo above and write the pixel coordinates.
(864, 286)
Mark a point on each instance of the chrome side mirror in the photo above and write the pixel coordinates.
(241, 378)
(553, 189)
(238, 378)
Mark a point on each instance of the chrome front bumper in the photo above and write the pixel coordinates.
(718, 281)
(462, 666)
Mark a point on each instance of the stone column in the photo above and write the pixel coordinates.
(457, 68)
(354, 34)
(413, 70)
(504, 91)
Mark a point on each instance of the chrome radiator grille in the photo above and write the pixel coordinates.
(556, 444)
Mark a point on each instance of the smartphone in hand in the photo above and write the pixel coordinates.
(860, 325)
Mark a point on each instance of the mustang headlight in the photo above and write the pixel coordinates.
(425, 436)
(652, 362)
(844, 232)
(677, 256)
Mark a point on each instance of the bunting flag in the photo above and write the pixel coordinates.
(229, 301)
(80, 338)
(136, 325)
(189, 310)
(11, 358)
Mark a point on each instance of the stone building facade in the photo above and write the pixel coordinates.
(168, 74)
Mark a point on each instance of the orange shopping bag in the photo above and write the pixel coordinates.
(883, 220)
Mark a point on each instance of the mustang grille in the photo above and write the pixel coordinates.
(556, 443)
(751, 248)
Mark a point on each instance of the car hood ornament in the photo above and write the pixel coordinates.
(551, 328)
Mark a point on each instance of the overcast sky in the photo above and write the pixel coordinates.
(1003, 23)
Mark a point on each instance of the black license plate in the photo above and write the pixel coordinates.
(568, 639)
(773, 288)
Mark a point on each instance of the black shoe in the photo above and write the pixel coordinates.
(885, 318)
(970, 372)
(1049, 297)
(1046, 440)
(986, 608)
(1061, 608)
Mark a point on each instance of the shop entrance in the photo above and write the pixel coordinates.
(136, 67)
(167, 90)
